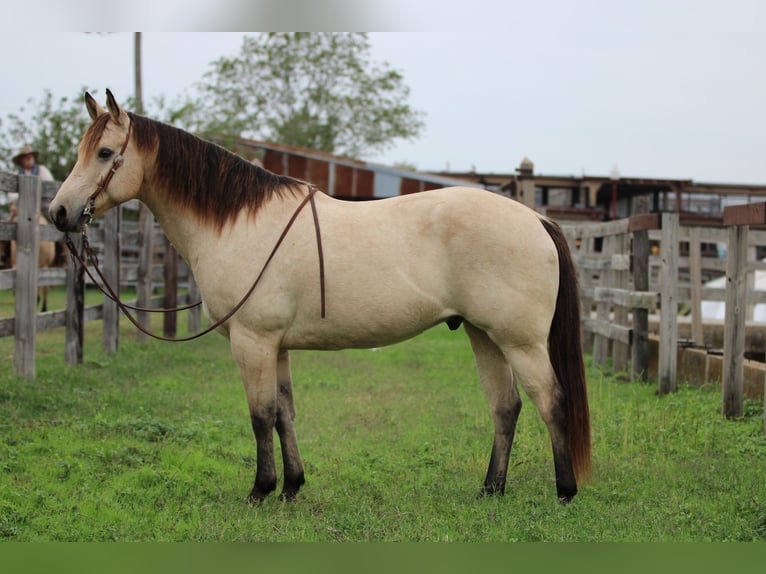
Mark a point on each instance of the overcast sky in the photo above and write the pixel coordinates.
(651, 88)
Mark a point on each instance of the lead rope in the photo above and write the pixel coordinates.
(107, 290)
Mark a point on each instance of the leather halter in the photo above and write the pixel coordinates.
(119, 159)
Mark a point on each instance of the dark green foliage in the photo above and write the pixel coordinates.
(315, 90)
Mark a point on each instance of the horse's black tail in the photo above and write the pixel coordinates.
(565, 349)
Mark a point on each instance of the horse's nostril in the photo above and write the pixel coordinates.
(59, 217)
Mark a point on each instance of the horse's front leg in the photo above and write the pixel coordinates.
(291, 458)
(257, 362)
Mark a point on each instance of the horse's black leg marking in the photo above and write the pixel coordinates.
(505, 429)
(265, 474)
(566, 483)
(293, 469)
(504, 403)
(291, 458)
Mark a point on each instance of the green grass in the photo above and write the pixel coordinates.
(154, 444)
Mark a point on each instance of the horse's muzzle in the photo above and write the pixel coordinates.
(63, 219)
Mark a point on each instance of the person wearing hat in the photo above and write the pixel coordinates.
(26, 161)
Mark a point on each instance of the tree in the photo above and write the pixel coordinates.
(54, 129)
(313, 90)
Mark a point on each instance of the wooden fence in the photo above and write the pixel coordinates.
(650, 263)
(612, 260)
(120, 263)
(628, 269)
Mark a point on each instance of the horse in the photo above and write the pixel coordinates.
(355, 275)
(45, 258)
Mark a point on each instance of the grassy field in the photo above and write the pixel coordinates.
(154, 444)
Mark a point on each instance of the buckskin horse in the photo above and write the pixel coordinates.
(350, 275)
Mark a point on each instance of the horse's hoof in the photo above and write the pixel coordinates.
(288, 496)
(256, 496)
(565, 499)
(492, 490)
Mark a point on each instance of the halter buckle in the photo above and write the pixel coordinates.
(89, 211)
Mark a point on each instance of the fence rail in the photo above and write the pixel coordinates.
(106, 235)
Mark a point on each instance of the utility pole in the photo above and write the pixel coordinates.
(137, 61)
(145, 219)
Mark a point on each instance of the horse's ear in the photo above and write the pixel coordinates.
(119, 116)
(94, 109)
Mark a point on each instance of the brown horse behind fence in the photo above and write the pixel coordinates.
(46, 256)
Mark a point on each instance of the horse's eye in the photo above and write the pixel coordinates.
(105, 153)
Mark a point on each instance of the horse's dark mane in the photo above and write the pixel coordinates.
(195, 174)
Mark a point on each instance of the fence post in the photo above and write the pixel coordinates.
(695, 278)
(640, 254)
(734, 323)
(75, 306)
(145, 260)
(738, 218)
(601, 342)
(619, 280)
(668, 355)
(27, 253)
(112, 251)
(170, 298)
(193, 318)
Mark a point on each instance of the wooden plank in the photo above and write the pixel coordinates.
(170, 298)
(7, 326)
(601, 342)
(627, 298)
(7, 230)
(606, 262)
(9, 182)
(7, 279)
(75, 308)
(51, 277)
(734, 323)
(50, 233)
(668, 304)
(193, 316)
(608, 330)
(51, 320)
(643, 222)
(110, 336)
(746, 214)
(586, 301)
(713, 293)
(144, 283)
(592, 230)
(619, 279)
(27, 252)
(695, 278)
(640, 257)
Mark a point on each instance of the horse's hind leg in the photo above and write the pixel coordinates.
(531, 364)
(43, 294)
(504, 402)
(291, 458)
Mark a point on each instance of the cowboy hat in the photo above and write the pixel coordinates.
(26, 150)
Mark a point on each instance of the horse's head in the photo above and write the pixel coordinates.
(108, 172)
